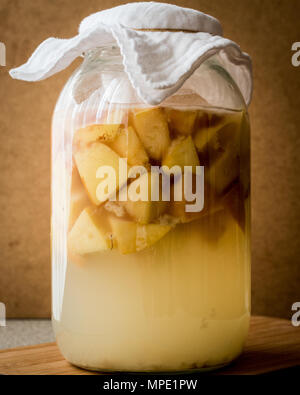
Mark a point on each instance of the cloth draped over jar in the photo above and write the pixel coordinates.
(161, 46)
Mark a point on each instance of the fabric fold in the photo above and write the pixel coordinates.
(157, 62)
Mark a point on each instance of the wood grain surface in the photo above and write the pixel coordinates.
(272, 344)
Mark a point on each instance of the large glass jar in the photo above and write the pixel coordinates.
(147, 285)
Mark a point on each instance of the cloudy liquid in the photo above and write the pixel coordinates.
(180, 304)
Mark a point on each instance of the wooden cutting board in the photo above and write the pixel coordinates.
(272, 344)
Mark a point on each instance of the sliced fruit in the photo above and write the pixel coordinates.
(152, 128)
(89, 160)
(128, 145)
(146, 211)
(219, 150)
(208, 137)
(206, 141)
(178, 208)
(78, 197)
(147, 235)
(224, 172)
(124, 235)
(181, 121)
(115, 208)
(129, 237)
(88, 234)
(91, 133)
(233, 200)
(181, 152)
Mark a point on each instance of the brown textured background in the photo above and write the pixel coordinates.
(266, 30)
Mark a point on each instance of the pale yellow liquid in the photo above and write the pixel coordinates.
(182, 304)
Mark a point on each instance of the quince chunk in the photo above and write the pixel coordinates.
(182, 152)
(78, 198)
(88, 234)
(91, 133)
(177, 209)
(152, 128)
(128, 145)
(124, 235)
(208, 138)
(233, 200)
(181, 121)
(89, 160)
(222, 173)
(145, 211)
(130, 237)
(219, 149)
(147, 235)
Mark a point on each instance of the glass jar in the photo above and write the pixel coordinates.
(148, 285)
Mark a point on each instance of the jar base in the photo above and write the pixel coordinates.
(204, 369)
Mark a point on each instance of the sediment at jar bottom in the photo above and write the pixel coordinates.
(205, 351)
(182, 304)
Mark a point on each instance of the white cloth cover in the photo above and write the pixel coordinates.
(157, 62)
